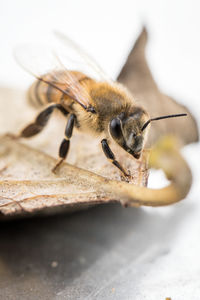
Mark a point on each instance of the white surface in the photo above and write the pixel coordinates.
(107, 30)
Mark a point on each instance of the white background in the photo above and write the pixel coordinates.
(107, 30)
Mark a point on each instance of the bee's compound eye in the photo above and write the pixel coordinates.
(115, 128)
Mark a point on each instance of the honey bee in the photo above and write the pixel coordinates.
(100, 107)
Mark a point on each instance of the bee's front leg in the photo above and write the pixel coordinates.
(64, 147)
(111, 157)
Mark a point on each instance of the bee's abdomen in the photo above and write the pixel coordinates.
(41, 93)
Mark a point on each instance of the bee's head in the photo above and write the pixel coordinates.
(126, 130)
(130, 130)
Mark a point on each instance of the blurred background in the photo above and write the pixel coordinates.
(136, 253)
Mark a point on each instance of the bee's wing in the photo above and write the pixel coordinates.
(81, 53)
(48, 66)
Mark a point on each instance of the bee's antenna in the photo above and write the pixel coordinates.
(160, 118)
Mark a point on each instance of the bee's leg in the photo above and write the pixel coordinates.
(41, 120)
(64, 147)
(110, 155)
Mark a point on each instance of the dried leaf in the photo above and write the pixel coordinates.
(137, 77)
(27, 184)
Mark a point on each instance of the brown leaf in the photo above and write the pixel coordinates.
(27, 184)
(137, 76)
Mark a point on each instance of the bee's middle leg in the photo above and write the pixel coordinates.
(110, 156)
(64, 147)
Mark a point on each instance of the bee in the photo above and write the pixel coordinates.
(100, 107)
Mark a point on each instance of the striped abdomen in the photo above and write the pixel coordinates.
(41, 93)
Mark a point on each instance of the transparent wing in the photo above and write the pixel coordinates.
(48, 66)
(81, 53)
